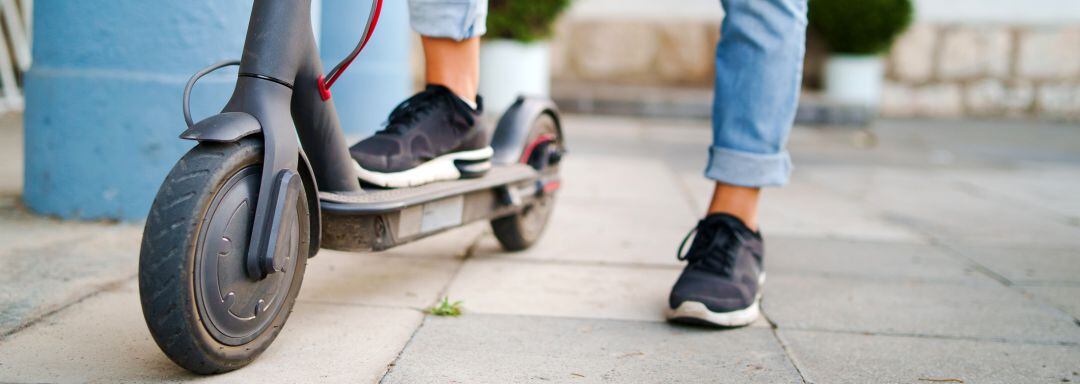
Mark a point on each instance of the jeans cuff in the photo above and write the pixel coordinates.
(748, 169)
(457, 20)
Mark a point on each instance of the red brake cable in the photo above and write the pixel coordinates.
(332, 76)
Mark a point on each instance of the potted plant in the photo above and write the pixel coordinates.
(857, 33)
(515, 55)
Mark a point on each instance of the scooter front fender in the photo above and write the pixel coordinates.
(512, 131)
(225, 127)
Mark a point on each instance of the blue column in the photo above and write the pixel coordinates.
(103, 98)
(380, 78)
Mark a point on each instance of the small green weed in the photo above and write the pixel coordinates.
(446, 308)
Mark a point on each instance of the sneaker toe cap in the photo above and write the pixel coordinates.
(717, 294)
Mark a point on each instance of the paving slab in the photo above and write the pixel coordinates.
(546, 289)
(104, 339)
(806, 210)
(827, 357)
(933, 203)
(972, 308)
(36, 280)
(604, 232)
(516, 349)
(1028, 264)
(633, 180)
(1047, 187)
(381, 279)
(866, 259)
(1066, 297)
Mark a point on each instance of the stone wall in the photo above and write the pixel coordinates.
(985, 71)
(934, 70)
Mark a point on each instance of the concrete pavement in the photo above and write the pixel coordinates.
(926, 252)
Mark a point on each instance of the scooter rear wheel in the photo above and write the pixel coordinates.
(202, 309)
(543, 151)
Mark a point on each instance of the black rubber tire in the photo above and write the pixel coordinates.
(518, 232)
(167, 259)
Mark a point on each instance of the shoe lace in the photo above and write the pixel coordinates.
(419, 105)
(719, 242)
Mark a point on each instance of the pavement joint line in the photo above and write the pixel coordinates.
(1008, 283)
(933, 337)
(787, 351)
(783, 345)
(951, 250)
(978, 191)
(111, 286)
(1046, 283)
(470, 251)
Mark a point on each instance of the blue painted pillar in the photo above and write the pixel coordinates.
(380, 78)
(103, 97)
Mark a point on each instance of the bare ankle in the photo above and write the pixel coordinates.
(737, 201)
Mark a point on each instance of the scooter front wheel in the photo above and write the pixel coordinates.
(202, 309)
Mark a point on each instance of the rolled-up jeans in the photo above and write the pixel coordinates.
(452, 19)
(758, 74)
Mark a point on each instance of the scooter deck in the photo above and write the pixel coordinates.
(381, 219)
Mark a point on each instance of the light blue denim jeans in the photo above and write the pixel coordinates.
(758, 76)
(452, 19)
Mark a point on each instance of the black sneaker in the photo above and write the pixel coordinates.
(432, 136)
(721, 284)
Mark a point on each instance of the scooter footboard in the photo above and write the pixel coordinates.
(379, 220)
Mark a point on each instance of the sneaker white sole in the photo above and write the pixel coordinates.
(437, 169)
(696, 312)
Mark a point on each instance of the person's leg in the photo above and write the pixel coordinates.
(437, 133)
(450, 32)
(454, 64)
(758, 76)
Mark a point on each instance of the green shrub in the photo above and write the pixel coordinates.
(860, 26)
(523, 20)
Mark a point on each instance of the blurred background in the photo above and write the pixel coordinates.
(929, 234)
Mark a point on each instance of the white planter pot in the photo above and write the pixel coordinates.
(509, 68)
(854, 79)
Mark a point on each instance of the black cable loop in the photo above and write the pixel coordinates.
(191, 83)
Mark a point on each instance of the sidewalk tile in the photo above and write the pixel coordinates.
(603, 232)
(543, 289)
(515, 349)
(37, 280)
(632, 180)
(868, 259)
(1066, 297)
(805, 210)
(1029, 263)
(934, 203)
(976, 308)
(376, 279)
(826, 357)
(104, 339)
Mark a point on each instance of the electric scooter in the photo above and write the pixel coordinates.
(271, 181)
